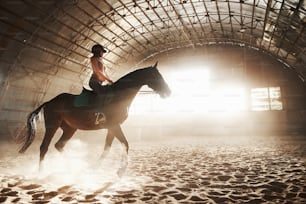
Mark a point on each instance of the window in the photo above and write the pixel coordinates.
(263, 99)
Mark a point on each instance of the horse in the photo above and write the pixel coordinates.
(92, 111)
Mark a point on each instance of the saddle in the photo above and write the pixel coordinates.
(90, 99)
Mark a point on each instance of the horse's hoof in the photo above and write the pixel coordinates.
(121, 171)
(59, 148)
(40, 168)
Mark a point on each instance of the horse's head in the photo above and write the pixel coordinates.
(157, 82)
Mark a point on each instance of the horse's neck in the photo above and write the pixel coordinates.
(127, 95)
(129, 85)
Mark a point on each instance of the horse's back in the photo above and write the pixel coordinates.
(87, 99)
(60, 101)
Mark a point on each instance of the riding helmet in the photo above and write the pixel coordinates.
(97, 48)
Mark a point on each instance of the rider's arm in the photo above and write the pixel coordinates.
(98, 69)
(106, 75)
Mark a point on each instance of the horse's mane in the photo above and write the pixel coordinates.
(133, 74)
(132, 78)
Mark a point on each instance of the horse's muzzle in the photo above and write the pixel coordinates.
(166, 93)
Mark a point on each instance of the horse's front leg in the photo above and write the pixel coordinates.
(108, 142)
(120, 136)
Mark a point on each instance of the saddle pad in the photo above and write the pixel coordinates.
(89, 99)
(82, 100)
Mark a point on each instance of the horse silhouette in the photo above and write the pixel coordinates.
(90, 111)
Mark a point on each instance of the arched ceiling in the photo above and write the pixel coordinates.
(45, 44)
(49, 33)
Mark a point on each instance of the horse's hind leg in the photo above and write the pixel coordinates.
(50, 131)
(67, 134)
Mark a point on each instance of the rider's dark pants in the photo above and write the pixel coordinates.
(96, 85)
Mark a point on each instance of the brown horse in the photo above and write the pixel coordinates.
(89, 111)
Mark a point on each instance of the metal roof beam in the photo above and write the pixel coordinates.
(268, 8)
(185, 29)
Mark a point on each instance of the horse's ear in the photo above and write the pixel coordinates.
(155, 65)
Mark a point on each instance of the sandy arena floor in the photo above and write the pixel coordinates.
(200, 170)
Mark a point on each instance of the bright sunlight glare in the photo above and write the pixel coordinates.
(193, 92)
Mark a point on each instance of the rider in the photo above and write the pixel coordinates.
(99, 75)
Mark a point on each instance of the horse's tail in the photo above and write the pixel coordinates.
(31, 129)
